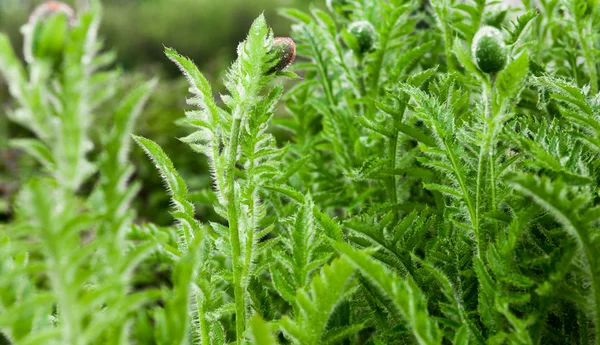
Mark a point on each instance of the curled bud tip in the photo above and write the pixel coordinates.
(284, 50)
(47, 32)
(49, 8)
(489, 50)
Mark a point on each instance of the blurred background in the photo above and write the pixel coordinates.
(208, 31)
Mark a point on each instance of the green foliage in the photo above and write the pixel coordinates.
(260, 333)
(406, 298)
(316, 303)
(66, 264)
(230, 136)
(429, 180)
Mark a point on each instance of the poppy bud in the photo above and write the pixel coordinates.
(50, 8)
(284, 52)
(365, 34)
(489, 50)
(47, 31)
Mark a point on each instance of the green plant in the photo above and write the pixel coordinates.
(443, 161)
(229, 137)
(437, 184)
(65, 256)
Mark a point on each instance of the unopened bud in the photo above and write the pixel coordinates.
(47, 31)
(489, 50)
(284, 51)
(365, 34)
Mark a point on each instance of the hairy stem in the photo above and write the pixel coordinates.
(322, 69)
(70, 323)
(448, 48)
(588, 55)
(202, 322)
(441, 9)
(360, 60)
(65, 296)
(595, 284)
(392, 147)
(462, 184)
(240, 303)
(486, 155)
(252, 224)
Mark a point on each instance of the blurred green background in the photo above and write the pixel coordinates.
(208, 31)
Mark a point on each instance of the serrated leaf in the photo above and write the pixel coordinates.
(286, 191)
(512, 78)
(259, 332)
(317, 302)
(407, 299)
(36, 149)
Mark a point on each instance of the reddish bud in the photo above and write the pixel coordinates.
(49, 8)
(284, 50)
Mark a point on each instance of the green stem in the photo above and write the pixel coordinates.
(441, 9)
(462, 184)
(486, 152)
(448, 49)
(378, 63)
(322, 69)
(392, 147)
(70, 324)
(249, 244)
(487, 91)
(360, 60)
(584, 337)
(252, 223)
(595, 283)
(492, 171)
(238, 290)
(589, 57)
(202, 323)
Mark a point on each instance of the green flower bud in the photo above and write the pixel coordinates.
(47, 32)
(284, 52)
(489, 50)
(364, 34)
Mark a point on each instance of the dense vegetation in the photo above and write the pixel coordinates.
(206, 31)
(432, 178)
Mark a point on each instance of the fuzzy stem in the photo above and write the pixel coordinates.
(448, 49)
(69, 320)
(202, 322)
(595, 283)
(441, 9)
(486, 153)
(240, 303)
(461, 182)
(252, 224)
(392, 149)
(322, 69)
(70, 324)
(589, 57)
(360, 61)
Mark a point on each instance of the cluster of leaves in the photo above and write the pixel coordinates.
(440, 187)
(447, 154)
(66, 256)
